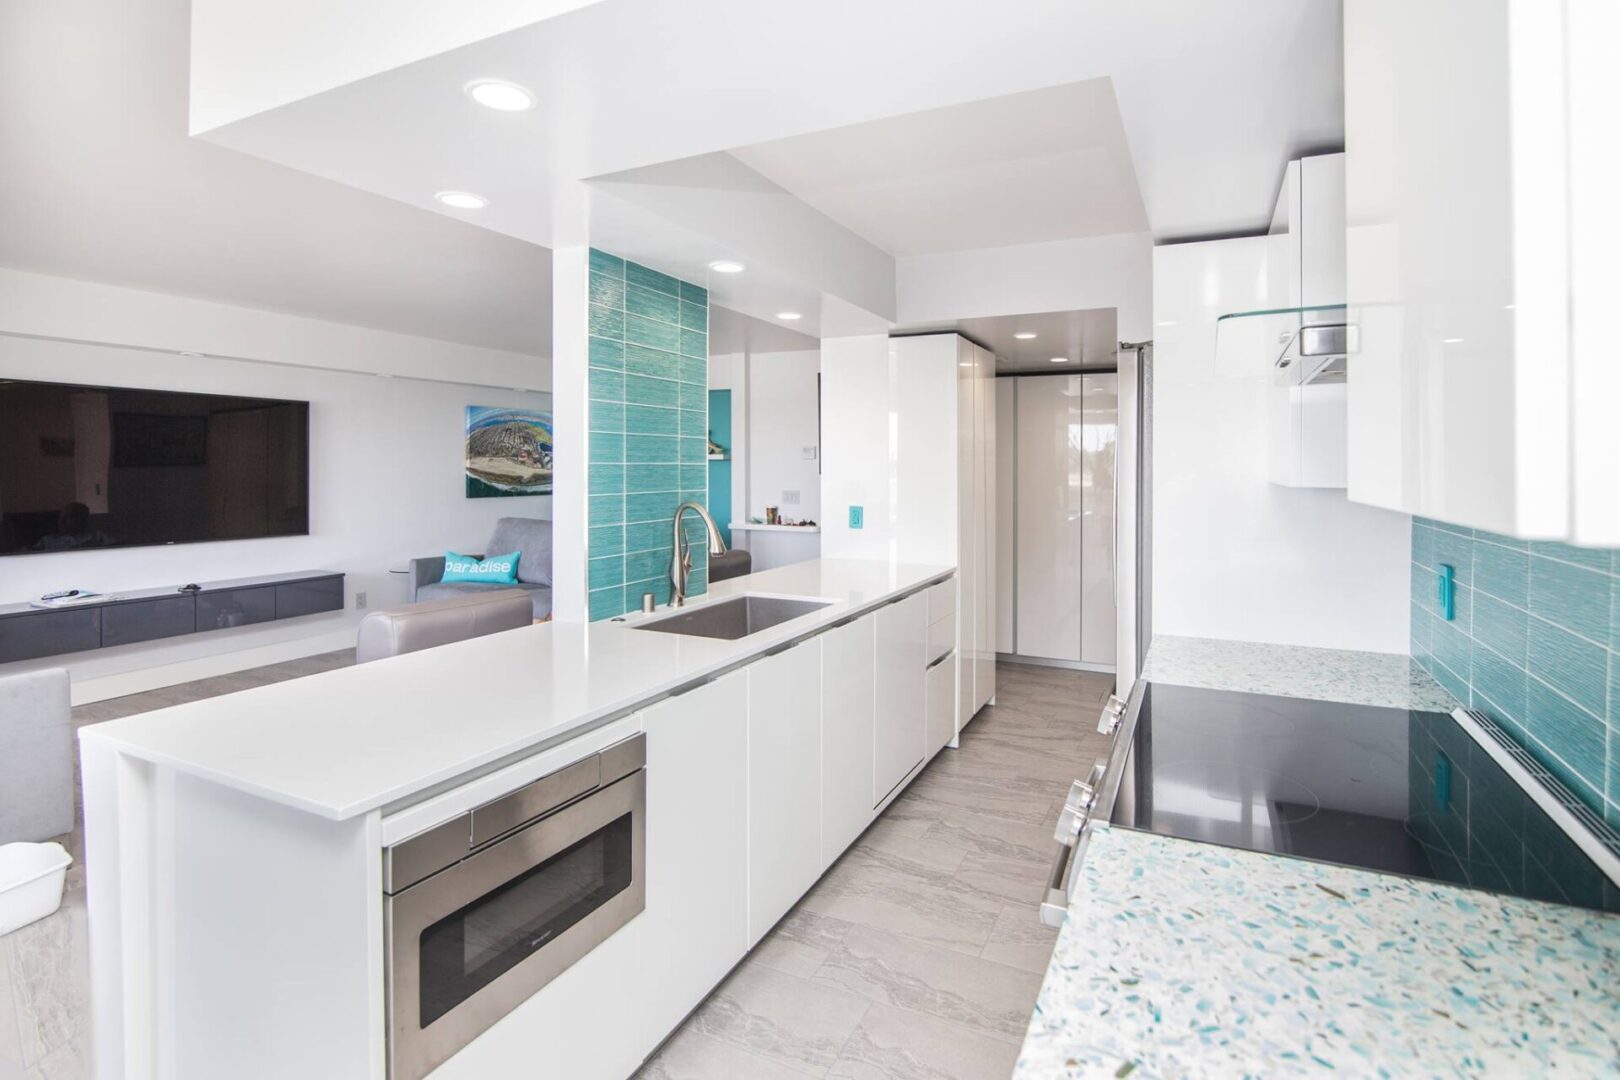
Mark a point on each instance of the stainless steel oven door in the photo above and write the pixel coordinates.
(474, 941)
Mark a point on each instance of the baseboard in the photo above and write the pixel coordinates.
(1067, 665)
(203, 667)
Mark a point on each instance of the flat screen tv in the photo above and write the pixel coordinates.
(86, 467)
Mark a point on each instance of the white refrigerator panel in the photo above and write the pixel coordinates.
(1051, 508)
(1099, 435)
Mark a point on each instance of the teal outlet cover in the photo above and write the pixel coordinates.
(1447, 597)
(856, 517)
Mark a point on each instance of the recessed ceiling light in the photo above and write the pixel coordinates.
(497, 94)
(1060, 359)
(1451, 341)
(462, 200)
(727, 266)
(788, 316)
(1027, 335)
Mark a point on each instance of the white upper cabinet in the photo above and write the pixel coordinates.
(1305, 413)
(1464, 403)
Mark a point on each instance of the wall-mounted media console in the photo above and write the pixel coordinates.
(125, 618)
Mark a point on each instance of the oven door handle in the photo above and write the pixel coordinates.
(1055, 908)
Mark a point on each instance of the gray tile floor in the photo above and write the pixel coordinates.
(917, 955)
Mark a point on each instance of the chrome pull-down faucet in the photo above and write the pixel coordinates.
(680, 565)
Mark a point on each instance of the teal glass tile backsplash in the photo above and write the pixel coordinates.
(649, 358)
(1535, 644)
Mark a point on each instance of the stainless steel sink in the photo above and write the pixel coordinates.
(736, 618)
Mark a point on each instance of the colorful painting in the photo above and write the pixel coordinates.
(508, 452)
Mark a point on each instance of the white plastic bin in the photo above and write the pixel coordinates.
(31, 879)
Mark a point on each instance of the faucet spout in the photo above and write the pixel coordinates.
(680, 565)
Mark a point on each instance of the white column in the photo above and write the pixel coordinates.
(570, 345)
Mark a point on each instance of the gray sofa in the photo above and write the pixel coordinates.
(439, 622)
(36, 756)
(530, 536)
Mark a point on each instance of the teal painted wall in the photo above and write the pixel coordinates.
(720, 471)
(1535, 644)
(649, 421)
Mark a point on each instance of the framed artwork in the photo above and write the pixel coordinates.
(508, 452)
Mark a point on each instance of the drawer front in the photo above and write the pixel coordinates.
(25, 637)
(147, 620)
(309, 597)
(941, 637)
(235, 607)
(941, 600)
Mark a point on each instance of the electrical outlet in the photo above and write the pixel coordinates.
(360, 600)
(857, 517)
(1447, 597)
(809, 453)
(790, 498)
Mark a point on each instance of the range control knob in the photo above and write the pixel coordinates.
(1111, 714)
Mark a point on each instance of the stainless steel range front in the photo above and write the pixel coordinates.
(484, 910)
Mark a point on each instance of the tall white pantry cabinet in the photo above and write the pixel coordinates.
(909, 433)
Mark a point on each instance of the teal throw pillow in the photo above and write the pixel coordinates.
(490, 570)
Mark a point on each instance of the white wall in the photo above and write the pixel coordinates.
(386, 484)
(1234, 556)
(44, 306)
(857, 451)
(1062, 275)
(783, 421)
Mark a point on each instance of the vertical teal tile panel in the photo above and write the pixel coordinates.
(1535, 644)
(648, 384)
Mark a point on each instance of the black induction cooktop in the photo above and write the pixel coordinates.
(1392, 790)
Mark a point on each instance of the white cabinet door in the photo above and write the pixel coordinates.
(940, 682)
(848, 665)
(695, 926)
(1051, 508)
(1458, 256)
(1098, 434)
(784, 782)
(901, 644)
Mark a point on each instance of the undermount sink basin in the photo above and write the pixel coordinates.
(736, 618)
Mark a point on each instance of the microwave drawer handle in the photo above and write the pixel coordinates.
(530, 801)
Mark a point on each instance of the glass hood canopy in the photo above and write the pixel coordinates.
(1294, 344)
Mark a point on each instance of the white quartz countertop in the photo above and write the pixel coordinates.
(349, 741)
(1188, 959)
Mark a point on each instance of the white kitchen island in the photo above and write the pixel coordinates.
(234, 846)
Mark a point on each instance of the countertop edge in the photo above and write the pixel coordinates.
(488, 760)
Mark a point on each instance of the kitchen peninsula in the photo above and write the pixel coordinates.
(287, 808)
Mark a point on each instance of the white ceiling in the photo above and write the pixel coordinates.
(1048, 164)
(101, 182)
(1085, 339)
(1213, 98)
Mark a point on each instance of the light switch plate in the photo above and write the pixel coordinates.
(856, 517)
(1447, 597)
